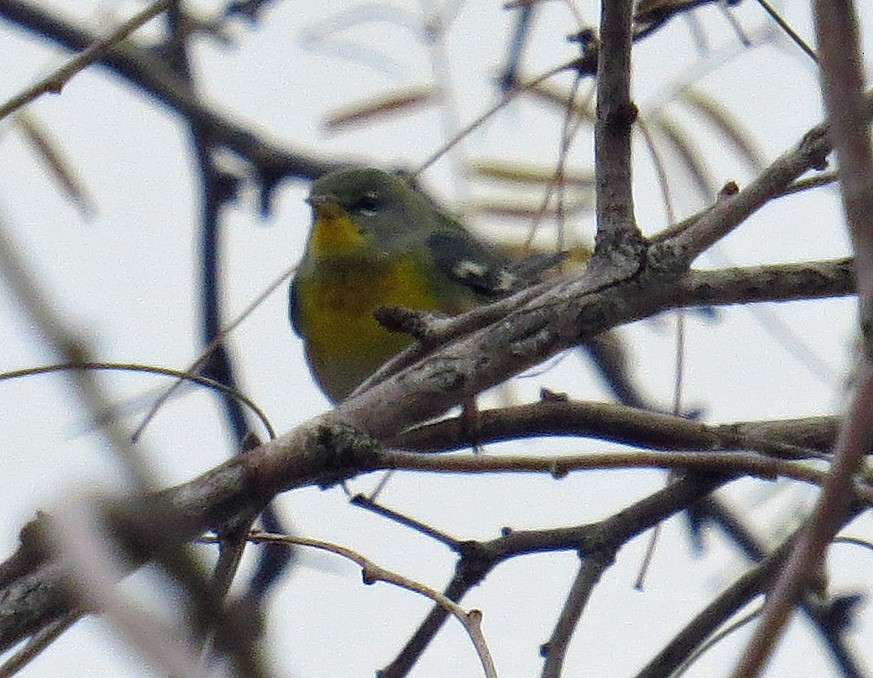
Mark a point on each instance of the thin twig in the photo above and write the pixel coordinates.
(372, 573)
(55, 81)
(742, 463)
(61, 339)
(788, 30)
(148, 369)
(555, 648)
(215, 343)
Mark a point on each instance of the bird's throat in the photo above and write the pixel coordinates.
(334, 233)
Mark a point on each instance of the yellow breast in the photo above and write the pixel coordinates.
(344, 342)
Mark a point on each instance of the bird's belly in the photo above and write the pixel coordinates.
(344, 342)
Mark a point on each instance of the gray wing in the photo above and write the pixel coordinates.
(473, 264)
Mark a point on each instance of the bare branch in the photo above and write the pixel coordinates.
(142, 69)
(618, 237)
(479, 558)
(555, 649)
(795, 438)
(842, 85)
(730, 463)
(55, 81)
(372, 573)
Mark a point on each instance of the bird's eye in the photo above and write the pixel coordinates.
(368, 204)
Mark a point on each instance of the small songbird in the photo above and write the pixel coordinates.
(376, 241)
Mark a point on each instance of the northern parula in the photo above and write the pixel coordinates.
(375, 241)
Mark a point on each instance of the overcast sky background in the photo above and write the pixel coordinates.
(124, 279)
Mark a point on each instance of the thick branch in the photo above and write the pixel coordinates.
(617, 234)
(780, 282)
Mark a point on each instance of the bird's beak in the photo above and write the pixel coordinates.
(325, 208)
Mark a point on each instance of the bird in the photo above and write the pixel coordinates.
(378, 241)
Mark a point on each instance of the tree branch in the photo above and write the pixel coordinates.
(479, 558)
(794, 438)
(843, 88)
(142, 69)
(618, 237)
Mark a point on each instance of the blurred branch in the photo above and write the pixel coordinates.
(50, 152)
(81, 542)
(141, 68)
(55, 81)
(31, 297)
(842, 78)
